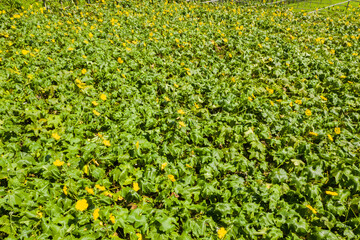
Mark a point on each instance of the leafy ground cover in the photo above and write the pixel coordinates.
(165, 120)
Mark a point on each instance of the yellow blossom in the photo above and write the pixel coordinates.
(83, 71)
(225, 40)
(271, 91)
(103, 97)
(163, 166)
(313, 133)
(25, 52)
(101, 188)
(136, 186)
(187, 165)
(323, 98)
(65, 190)
(180, 111)
(139, 236)
(230, 55)
(171, 177)
(96, 112)
(342, 76)
(91, 35)
(58, 163)
(70, 48)
(331, 193)
(337, 130)
(96, 214)
(330, 137)
(182, 124)
(308, 112)
(196, 105)
(90, 190)
(86, 170)
(167, 99)
(112, 218)
(312, 209)
(298, 102)
(56, 136)
(137, 144)
(106, 143)
(221, 233)
(81, 205)
(120, 60)
(95, 103)
(259, 45)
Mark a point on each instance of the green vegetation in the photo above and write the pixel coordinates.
(164, 120)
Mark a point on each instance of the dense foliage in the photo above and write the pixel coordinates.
(142, 120)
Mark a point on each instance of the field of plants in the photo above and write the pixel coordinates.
(172, 120)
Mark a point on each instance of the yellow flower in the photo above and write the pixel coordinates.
(225, 40)
(182, 124)
(259, 45)
(331, 193)
(25, 52)
(120, 60)
(298, 102)
(250, 98)
(83, 71)
(80, 84)
(106, 143)
(81, 205)
(163, 166)
(58, 163)
(56, 136)
(337, 130)
(139, 236)
(96, 214)
(230, 55)
(308, 112)
(196, 105)
(180, 111)
(86, 170)
(90, 190)
(323, 98)
(313, 133)
(137, 145)
(272, 103)
(136, 186)
(95, 103)
(342, 76)
(187, 165)
(101, 188)
(271, 91)
(96, 112)
(70, 48)
(103, 97)
(171, 177)
(65, 190)
(330, 137)
(312, 209)
(91, 35)
(221, 233)
(112, 218)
